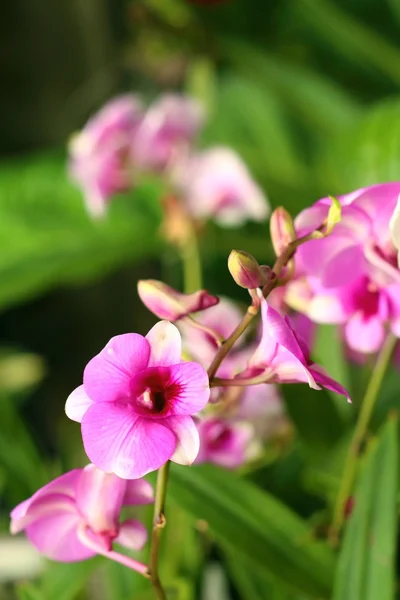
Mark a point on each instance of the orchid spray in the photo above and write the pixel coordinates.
(203, 384)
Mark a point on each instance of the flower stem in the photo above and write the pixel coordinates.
(191, 261)
(367, 406)
(159, 522)
(253, 309)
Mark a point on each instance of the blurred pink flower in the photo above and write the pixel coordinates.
(100, 154)
(77, 516)
(136, 402)
(395, 229)
(360, 245)
(363, 308)
(167, 129)
(216, 184)
(167, 303)
(282, 358)
(223, 442)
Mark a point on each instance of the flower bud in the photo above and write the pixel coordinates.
(282, 229)
(167, 303)
(245, 270)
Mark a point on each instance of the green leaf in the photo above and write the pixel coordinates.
(315, 100)
(260, 527)
(306, 407)
(253, 583)
(367, 153)
(47, 237)
(366, 569)
(349, 37)
(65, 581)
(27, 591)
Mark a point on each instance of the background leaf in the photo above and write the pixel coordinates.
(242, 516)
(366, 562)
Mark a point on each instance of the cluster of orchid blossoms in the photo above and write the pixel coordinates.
(351, 277)
(201, 390)
(125, 140)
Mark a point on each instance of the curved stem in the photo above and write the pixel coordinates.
(159, 522)
(367, 406)
(221, 382)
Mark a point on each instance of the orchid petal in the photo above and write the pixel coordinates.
(77, 404)
(119, 441)
(107, 376)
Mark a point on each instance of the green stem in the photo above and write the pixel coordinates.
(159, 522)
(192, 273)
(367, 407)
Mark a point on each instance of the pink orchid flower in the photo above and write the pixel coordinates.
(282, 358)
(77, 516)
(224, 442)
(359, 245)
(136, 402)
(167, 303)
(169, 126)
(100, 155)
(217, 184)
(395, 229)
(362, 307)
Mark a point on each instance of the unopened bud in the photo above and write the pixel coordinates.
(282, 229)
(167, 303)
(246, 271)
(334, 215)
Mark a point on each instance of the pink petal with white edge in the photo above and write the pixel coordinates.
(327, 382)
(364, 335)
(55, 536)
(190, 387)
(132, 535)
(107, 376)
(278, 328)
(77, 404)
(288, 369)
(138, 491)
(99, 497)
(29, 512)
(118, 441)
(165, 343)
(188, 440)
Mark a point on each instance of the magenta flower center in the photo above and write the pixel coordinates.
(152, 400)
(366, 299)
(154, 391)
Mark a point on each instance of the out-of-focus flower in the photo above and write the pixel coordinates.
(363, 308)
(395, 228)
(282, 358)
(100, 155)
(225, 443)
(166, 131)
(77, 516)
(136, 402)
(221, 319)
(217, 184)
(167, 303)
(360, 245)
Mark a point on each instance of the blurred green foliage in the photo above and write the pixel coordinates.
(308, 92)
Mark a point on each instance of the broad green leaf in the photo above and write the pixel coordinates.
(257, 525)
(366, 569)
(27, 591)
(254, 583)
(47, 237)
(354, 40)
(65, 581)
(315, 100)
(306, 407)
(368, 153)
(328, 351)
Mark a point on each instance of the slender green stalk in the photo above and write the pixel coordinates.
(367, 407)
(191, 261)
(159, 522)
